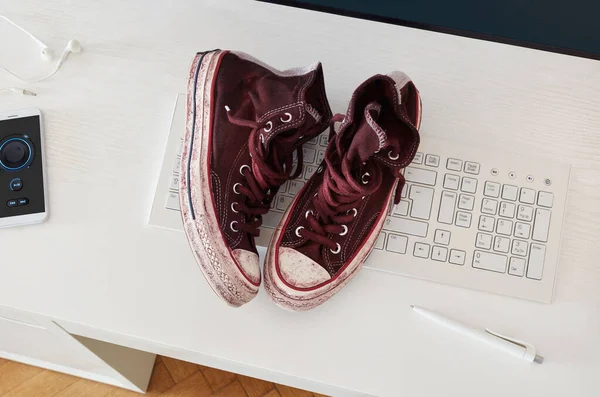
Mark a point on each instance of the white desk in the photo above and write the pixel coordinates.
(97, 269)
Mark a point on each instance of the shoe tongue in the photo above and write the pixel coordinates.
(369, 137)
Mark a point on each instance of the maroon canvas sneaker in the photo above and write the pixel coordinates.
(245, 120)
(331, 226)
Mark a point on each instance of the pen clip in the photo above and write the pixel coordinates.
(529, 354)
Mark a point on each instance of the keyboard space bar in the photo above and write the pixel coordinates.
(406, 226)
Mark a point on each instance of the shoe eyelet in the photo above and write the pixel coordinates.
(393, 157)
(364, 182)
(298, 231)
(337, 249)
(242, 168)
(234, 188)
(270, 124)
(307, 213)
(354, 212)
(233, 207)
(345, 230)
(288, 119)
(232, 228)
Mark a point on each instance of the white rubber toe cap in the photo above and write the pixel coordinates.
(299, 270)
(248, 261)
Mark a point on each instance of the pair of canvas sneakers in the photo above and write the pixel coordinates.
(245, 121)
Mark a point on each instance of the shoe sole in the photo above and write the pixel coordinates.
(290, 298)
(201, 225)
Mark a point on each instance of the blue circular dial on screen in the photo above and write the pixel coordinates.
(15, 154)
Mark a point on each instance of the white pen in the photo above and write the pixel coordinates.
(512, 346)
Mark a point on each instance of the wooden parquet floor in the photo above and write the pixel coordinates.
(170, 378)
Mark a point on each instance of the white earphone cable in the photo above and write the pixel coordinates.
(34, 37)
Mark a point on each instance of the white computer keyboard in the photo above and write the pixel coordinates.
(470, 217)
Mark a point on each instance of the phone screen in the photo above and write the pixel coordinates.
(21, 167)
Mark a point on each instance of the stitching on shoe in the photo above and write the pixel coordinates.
(277, 110)
(353, 228)
(218, 198)
(367, 226)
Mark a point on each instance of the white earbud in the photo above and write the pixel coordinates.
(73, 46)
(47, 54)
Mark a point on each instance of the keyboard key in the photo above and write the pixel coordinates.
(308, 154)
(320, 156)
(525, 213)
(466, 202)
(486, 223)
(177, 165)
(491, 189)
(380, 241)
(180, 149)
(419, 175)
(397, 243)
(323, 140)
(457, 257)
(418, 159)
(501, 244)
(537, 254)
(483, 241)
(441, 237)
(432, 160)
(519, 247)
(541, 226)
(422, 198)
(401, 208)
(463, 219)
(174, 185)
(283, 202)
(527, 196)
(309, 170)
(469, 185)
(451, 181)
(507, 210)
(471, 168)
(439, 254)
(314, 141)
(504, 227)
(489, 261)
(405, 189)
(489, 206)
(283, 188)
(172, 201)
(522, 230)
(295, 187)
(545, 199)
(421, 250)
(516, 266)
(509, 192)
(447, 203)
(406, 226)
(271, 219)
(454, 164)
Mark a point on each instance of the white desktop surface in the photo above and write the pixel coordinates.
(97, 265)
